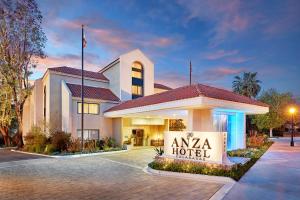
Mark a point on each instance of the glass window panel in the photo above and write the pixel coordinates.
(86, 134)
(139, 90)
(134, 89)
(94, 134)
(79, 133)
(79, 107)
(136, 74)
(137, 65)
(93, 108)
(86, 108)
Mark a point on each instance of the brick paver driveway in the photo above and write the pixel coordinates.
(115, 176)
(7, 156)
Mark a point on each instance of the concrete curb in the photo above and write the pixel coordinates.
(71, 156)
(228, 182)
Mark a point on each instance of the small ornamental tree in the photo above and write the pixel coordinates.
(276, 117)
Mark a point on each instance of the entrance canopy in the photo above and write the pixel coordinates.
(176, 103)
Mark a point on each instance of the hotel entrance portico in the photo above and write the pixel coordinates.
(202, 108)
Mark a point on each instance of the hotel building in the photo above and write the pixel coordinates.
(123, 100)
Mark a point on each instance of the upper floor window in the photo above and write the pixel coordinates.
(137, 75)
(88, 108)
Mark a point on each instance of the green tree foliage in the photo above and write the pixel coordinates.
(6, 110)
(22, 40)
(276, 117)
(247, 85)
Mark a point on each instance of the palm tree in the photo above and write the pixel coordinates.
(248, 85)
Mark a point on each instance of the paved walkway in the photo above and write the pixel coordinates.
(275, 176)
(115, 176)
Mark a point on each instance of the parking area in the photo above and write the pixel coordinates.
(110, 176)
(6, 155)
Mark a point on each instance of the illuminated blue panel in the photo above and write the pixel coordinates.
(240, 131)
(231, 132)
(234, 124)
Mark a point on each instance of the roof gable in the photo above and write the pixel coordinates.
(77, 72)
(187, 92)
(92, 92)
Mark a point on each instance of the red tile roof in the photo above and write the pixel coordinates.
(161, 86)
(92, 92)
(186, 92)
(77, 72)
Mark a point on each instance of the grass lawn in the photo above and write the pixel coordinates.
(195, 168)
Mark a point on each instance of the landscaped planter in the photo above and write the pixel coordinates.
(128, 146)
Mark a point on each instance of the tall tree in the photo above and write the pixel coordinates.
(6, 111)
(247, 85)
(276, 117)
(21, 40)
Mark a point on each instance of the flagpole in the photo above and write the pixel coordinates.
(82, 89)
(190, 72)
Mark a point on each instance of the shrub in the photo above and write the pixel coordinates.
(35, 141)
(90, 146)
(49, 149)
(60, 140)
(74, 146)
(111, 142)
(159, 151)
(100, 144)
(256, 140)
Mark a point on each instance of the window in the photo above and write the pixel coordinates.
(137, 88)
(137, 65)
(136, 74)
(88, 108)
(89, 134)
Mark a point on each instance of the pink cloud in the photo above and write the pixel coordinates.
(112, 37)
(219, 73)
(238, 59)
(220, 54)
(226, 16)
(91, 63)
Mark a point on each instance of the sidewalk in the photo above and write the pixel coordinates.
(275, 176)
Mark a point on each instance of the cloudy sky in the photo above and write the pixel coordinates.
(221, 38)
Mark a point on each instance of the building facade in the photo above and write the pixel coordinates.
(123, 101)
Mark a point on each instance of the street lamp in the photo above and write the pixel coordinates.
(292, 111)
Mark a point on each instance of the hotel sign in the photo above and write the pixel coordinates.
(197, 146)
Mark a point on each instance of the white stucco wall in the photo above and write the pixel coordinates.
(113, 74)
(104, 125)
(200, 120)
(66, 102)
(126, 61)
(32, 110)
(54, 95)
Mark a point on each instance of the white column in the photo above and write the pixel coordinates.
(200, 120)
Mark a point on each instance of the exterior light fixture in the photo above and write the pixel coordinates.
(292, 111)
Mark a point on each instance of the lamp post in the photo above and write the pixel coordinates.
(292, 112)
